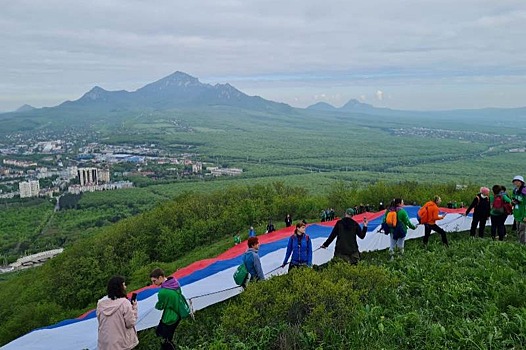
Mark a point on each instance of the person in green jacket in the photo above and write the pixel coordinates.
(398, 234)
(519, 207)
(168, 301)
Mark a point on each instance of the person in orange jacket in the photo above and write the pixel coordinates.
(432, 217)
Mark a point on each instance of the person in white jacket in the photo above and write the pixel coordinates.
(117, 317)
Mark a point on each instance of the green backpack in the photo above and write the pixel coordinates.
(241, 273)
(183, 308)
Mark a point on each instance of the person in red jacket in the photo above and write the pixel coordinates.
(432, 217)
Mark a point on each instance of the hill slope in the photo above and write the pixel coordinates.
(469, 296)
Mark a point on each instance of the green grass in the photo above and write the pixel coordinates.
(468, 296)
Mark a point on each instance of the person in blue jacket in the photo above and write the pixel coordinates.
(300, 246)
(252, 262)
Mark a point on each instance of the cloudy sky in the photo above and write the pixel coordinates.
(406, 54)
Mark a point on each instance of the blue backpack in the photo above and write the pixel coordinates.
(389, 226)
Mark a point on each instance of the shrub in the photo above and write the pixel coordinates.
(296, 305)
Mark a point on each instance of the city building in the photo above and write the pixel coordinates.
(76, 189)
(225, 171)
(104, 175)
(197, 167)
(93, 176)
(29, 188)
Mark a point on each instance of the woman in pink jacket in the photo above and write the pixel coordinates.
(117, 318)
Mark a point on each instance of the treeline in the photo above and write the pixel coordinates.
(171, 235)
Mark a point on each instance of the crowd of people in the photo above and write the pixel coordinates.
(117, 315)
(496, 204)
(327, 214)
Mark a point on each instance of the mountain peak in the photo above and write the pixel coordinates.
(97, 89)
(173, 91)
(226, 87)
(96, 93)
(355, 103)
(177, 79)
(178, 76)
(174, 81)
(322, 106)
(25, 108)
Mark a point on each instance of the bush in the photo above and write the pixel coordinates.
(296, 305)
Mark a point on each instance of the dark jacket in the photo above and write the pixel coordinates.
(345, 232)
(481, 205)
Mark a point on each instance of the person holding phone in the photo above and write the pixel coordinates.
(117, 318)
(345, 232)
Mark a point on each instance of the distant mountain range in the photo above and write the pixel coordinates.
(180, 90)
(174, 91)
(351, 106)
(355, 106)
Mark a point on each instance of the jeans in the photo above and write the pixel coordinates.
(166, 332)
(296, 266)
(396, 243)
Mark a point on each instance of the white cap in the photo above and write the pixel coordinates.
(518, 177)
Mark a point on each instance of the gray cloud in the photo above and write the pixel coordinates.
(289, 51)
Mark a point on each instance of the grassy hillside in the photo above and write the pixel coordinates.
(468, 296)
(35, 228)
(191, 227)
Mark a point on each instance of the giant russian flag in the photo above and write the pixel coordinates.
(210, 281)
